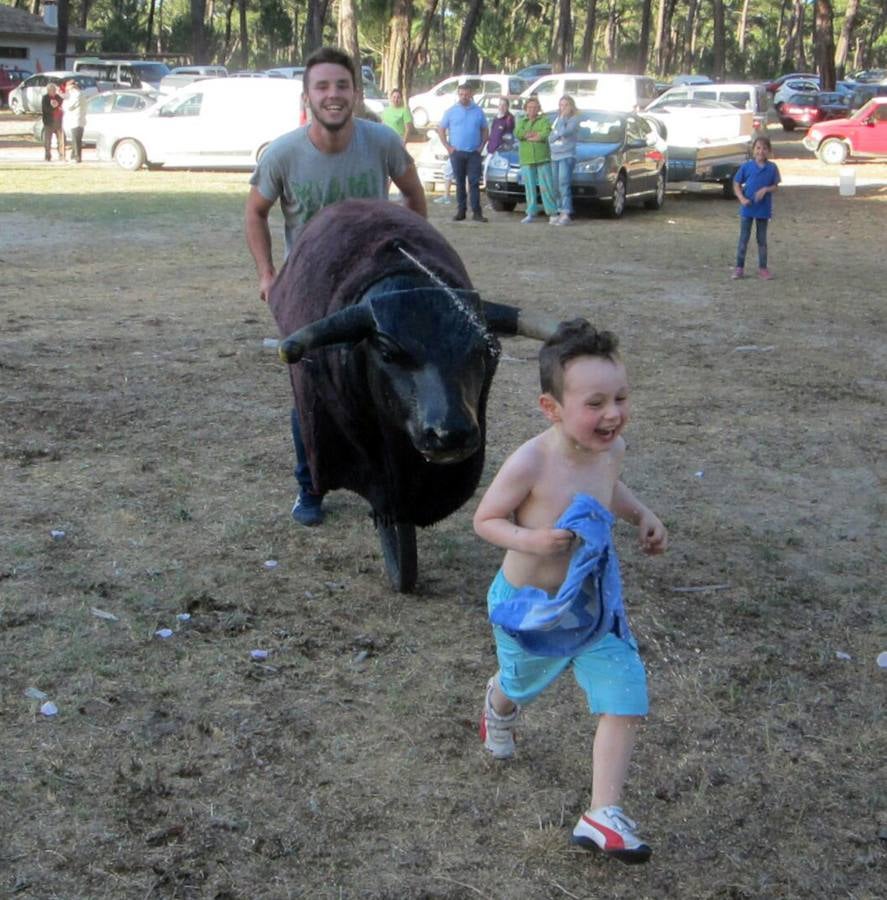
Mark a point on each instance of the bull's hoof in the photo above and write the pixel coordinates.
(399, 552)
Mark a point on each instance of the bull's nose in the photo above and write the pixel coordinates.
(448, 445)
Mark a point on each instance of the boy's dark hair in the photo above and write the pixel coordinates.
(330, 55)
(576, 337)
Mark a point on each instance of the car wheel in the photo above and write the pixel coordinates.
(616, 206)
(657, 201)
(16, 106)
(38, 131)
(788, 126)
(502, 205)
(833, 152)
(420, 117)
(129, 155)
(727, 188)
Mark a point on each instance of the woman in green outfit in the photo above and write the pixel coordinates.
(534, 153)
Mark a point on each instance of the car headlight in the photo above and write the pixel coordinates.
(591, 166)
(498, 161)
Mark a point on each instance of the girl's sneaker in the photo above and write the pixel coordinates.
(554, 220)
(765, 274)
(610, 831)
(497, 732)
(738, 272)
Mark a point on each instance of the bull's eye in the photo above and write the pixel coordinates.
(391, 352)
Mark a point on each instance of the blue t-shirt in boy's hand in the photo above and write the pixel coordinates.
(752, 178)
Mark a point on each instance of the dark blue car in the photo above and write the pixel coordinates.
(620, 157)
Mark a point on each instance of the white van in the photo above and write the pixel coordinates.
(742, 95)
(218, 123)
(593, 90)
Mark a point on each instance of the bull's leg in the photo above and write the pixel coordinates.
(399, 552)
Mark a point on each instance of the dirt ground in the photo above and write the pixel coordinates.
(144, 419)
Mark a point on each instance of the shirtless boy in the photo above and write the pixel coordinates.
(577, 460)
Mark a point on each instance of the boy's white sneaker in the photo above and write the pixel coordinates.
(497, 732)
(610, 831)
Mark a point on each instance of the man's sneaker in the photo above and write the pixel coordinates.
(738, 272)
(497, 732)
(479, 217)
(765, 274)
(610, 831)
(308, 509)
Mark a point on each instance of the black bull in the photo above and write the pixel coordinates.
(392, 355)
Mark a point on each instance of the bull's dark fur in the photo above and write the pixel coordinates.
(344, 250)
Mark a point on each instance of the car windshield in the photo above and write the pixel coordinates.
(371, 91)
(832, 98)
(599, 128)
(802, 100)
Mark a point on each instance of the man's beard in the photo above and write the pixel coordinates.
(318, 113)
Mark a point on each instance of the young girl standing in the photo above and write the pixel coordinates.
(754, 184)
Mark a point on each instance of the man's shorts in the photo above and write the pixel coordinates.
(610, 670)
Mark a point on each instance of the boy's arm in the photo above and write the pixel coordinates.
(494, 519)
(651, 532)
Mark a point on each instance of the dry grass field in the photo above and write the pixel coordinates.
(142, 416)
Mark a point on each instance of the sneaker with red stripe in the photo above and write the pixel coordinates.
(610, 831)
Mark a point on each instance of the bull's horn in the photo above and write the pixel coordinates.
(348, 325)
(504, 319)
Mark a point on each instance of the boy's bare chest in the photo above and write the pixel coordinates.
(558, 484)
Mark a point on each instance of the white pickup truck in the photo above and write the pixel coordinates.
(705, 143)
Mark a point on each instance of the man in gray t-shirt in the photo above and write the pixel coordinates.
(333, 158)
(306, 179)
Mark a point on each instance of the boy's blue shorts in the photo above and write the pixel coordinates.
(610, 671)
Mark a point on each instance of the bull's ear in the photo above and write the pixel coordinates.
(504, 319)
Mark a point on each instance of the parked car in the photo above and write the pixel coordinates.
(774, 85)
(531, 73)
(869, 76)
(619, 157)
(798, 109)
(27, 97)
(794, 86)
(690, 79)
(122, 73)
(10, 78)
(862, 135)
(108, 102)
(182, 75)
(864, 92)
(220, 123)
(598, 90)
(286, 71)
(741, 95)
(428, 108)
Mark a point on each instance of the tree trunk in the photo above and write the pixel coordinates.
(347, 38)
(563, 38)
(719, 65)
(244, 37)
(824, 31)
(586, 57)
(846, 36)
(421, 46)
(743, 26)
(61, 36)
(662, 50)
(644, 39)
(314, 26)
(466, 39)
(149, 30)
(396, 59)
(687, 45)
(198, 35)
(611, 35)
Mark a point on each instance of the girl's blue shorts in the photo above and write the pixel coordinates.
(610, 671)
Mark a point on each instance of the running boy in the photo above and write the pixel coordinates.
(754, 184)
(556, 602)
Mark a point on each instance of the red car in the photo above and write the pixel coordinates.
(864, 134)
(807, 109)
(9, 79)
